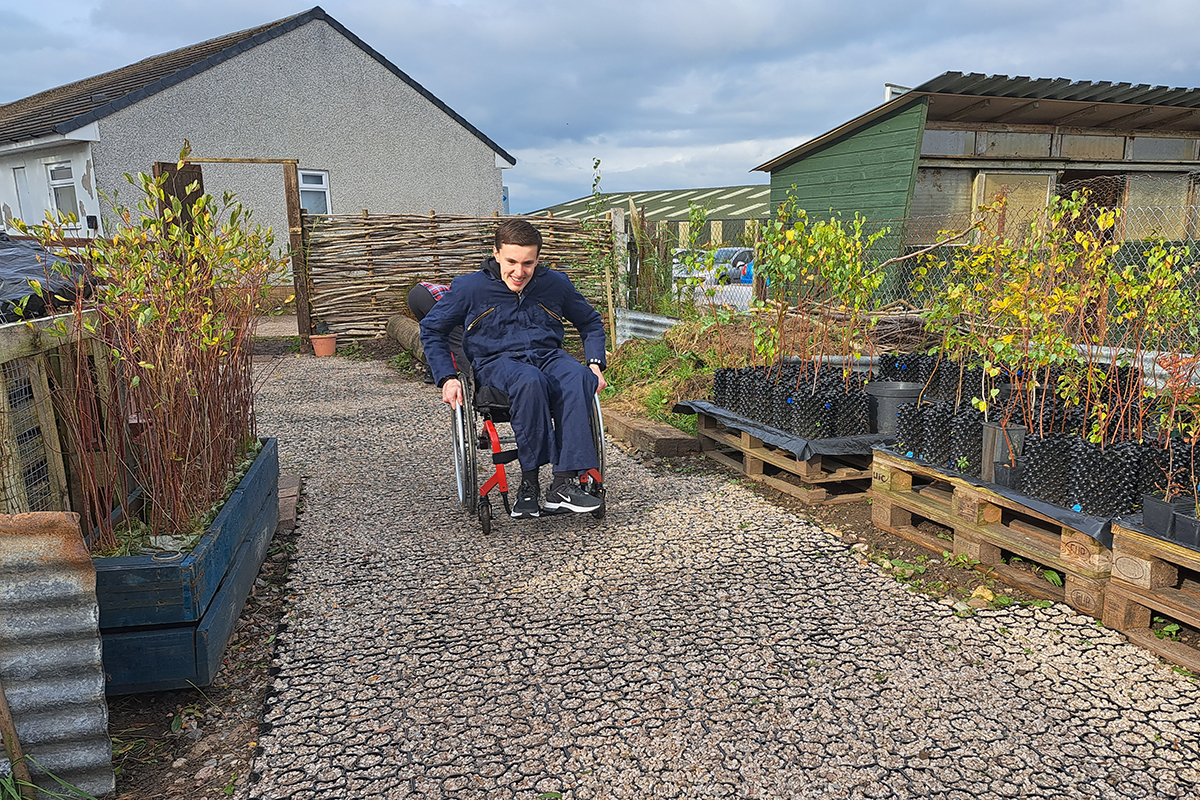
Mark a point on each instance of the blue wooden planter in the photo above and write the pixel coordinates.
(165, 624)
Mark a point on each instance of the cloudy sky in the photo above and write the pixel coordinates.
(667, 93)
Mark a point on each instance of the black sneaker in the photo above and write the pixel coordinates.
(428, 378)
(567, 496)
(527, 499)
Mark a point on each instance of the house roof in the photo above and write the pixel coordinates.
(671, 205)
(1059, 102)
(70, 107)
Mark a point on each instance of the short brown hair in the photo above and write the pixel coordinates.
(518, 232)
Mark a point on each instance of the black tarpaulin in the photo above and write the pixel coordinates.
(803, 449)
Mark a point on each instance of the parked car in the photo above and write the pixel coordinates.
(734, 264)
(723, 266)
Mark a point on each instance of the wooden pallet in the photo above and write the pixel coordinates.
(1148, 575)
(985, 526)
(820, 480)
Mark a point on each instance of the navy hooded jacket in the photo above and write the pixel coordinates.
(497, 321)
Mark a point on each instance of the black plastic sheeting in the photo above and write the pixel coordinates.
(1099, 528)
(23, 260)
(803, 449)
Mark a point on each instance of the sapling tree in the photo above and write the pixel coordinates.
(176, 292)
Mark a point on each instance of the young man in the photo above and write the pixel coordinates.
(512, 312)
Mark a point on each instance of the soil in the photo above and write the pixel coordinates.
(200, 743)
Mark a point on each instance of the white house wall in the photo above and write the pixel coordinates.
(311, 95)
(36, 165)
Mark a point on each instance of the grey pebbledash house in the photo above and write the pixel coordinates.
(365, 134)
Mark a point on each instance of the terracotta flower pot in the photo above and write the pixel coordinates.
(323, 344)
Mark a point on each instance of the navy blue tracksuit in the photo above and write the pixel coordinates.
(514, 342)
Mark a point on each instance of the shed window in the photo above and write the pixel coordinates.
(62, 190)
(314, 191)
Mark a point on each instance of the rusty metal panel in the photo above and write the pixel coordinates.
(1087, 147)
(936, 142)
(1002, 144)
(942, 191)
(1163, 148)
(50, 650)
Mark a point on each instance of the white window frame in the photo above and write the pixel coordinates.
(53, 184)
(323, 188)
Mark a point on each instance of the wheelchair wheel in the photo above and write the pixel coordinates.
(466, 444)
(596, 488)
(485, 516)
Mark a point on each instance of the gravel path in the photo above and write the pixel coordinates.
(698, 642)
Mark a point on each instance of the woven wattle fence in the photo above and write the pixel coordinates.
(359, 268)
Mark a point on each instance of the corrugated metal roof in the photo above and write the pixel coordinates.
(68, 108)
(983, 99)
(723, 202)
(50, 650)
(979, 85)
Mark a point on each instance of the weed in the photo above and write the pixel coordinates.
(903, 570)
(1039, 604)
(881, 677)
(1052, 577)
(959, 560)
(1168, 631)
(401, 362)
(231, 786)
(1002, 601)
(352, 350)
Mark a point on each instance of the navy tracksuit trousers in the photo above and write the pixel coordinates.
(551, 396)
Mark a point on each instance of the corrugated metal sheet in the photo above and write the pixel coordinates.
(640, 325)
(50, 650)
(727, 202)
(1060, 89)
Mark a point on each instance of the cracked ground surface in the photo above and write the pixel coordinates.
(698, 642)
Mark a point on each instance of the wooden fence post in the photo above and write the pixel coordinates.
(291, 193)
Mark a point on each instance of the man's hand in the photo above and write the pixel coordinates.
(452, 393)
(600, 375)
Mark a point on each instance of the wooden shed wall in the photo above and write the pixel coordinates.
(870, 171)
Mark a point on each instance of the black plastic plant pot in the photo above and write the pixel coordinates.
(1187, 527)
(886, 399)
(1158, 515)
(1009, 475)
(999, 443)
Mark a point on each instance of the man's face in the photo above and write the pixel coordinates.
(517, 263)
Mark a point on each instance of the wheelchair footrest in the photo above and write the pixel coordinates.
(504, 457)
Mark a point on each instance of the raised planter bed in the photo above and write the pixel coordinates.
(165, 623)
(1149, 575)
(988, 524)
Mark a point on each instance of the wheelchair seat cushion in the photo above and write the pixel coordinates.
(493, 401)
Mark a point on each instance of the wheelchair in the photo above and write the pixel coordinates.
(492, 405)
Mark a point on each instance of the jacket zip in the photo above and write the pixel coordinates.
(475, 321)
(551, 313)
